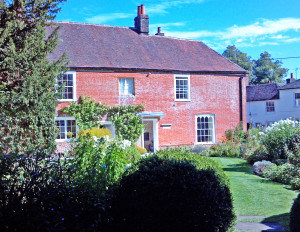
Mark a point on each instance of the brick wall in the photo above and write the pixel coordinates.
(210, 94)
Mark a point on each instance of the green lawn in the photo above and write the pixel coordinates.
(256, 196)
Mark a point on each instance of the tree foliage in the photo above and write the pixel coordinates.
(239, 58)
(88, 114)
(27, 77)
(261, 71)
(266, 70)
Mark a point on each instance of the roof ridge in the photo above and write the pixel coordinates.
(89, 24)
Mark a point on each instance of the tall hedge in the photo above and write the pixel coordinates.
(295, 215)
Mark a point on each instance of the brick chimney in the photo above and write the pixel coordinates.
(289, 80)
(159, 32)
(141, 21)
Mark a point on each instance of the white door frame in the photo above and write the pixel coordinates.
(155, 132)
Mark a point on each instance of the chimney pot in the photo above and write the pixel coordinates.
(292, 75)
(141, 21)
(143, 11)
(159, 32)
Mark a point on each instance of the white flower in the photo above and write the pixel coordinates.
(95, 138)
(125, 143)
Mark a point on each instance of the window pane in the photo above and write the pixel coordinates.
(126, 86)
(182, 88)
(205, 128)
(66, 80)
(66, 129)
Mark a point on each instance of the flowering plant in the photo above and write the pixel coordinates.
(277, 138)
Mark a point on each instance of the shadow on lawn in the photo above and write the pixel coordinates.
(282, 219)
(246, 168)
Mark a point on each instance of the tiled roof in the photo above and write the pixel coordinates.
(99, 46)
(292, 85)
(263, 92)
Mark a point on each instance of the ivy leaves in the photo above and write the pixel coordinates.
(89, 113)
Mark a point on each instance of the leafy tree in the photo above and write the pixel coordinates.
(87, 112)
(266, 70)
(27, 77)
(240, 58)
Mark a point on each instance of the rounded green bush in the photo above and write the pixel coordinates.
(170, 195)
(295, 216)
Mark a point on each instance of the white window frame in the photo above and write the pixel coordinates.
(74, 88)
(66, 119)
(213, 129)
(297, 100)
(189, 86)
(126, 82)
(270, 112)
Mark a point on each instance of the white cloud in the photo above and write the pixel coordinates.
(267, 43)
(279, 37)
(292, 40)
(108, 17)
(266, 27)
(261, 33)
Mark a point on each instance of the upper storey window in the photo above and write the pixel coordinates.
(67, 82)
(270, 106)
(182, 87)
(297, 99)
(126, 86)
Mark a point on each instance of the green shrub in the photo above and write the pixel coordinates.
(199, 149)
(294, 154)
(38, 195)
(282, 173)
(295, 215)
(236, 135)
(259, 154)
(170, 195)
(225, 149)
(201, 162)
(98, 163)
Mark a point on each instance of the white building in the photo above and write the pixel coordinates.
(269, 103)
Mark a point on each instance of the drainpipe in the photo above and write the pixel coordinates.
(241, 97)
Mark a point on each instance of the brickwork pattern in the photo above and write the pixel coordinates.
(210, 94)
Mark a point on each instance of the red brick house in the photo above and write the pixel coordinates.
(191, 93)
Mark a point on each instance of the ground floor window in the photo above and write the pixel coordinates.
(205, 128)
(66, 128)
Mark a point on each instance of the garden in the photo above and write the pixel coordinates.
(104, 183)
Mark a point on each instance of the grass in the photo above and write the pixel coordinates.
(256, 196)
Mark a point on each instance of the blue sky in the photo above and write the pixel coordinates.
(254, 26)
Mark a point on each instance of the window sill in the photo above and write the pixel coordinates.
(185, 100)
(65, 100)
(205, 143)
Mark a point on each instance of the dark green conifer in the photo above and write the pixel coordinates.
(27, 77)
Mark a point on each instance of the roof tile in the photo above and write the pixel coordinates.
(99, 46)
